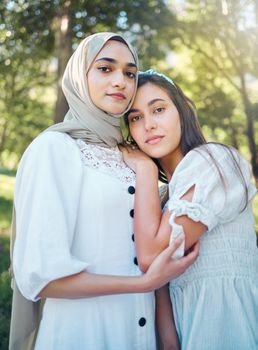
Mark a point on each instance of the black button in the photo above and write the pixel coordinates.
(142, 321)
(132, 213)
(135, 261)
(132, 237)
(131, 189)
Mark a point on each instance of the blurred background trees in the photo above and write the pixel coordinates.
(210, 47)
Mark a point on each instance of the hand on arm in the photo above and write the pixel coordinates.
(153, 238)
(85, 284)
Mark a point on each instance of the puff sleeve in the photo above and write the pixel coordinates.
(46, 198)
(219, 195)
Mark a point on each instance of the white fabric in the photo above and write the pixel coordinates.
(78, 220)
(212, 203)
(215, 302)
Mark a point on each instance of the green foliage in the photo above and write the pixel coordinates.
(24, 67)
(29, 34)
(6, 201)
(217, 41)
(6, 195)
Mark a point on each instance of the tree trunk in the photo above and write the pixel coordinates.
(233, 133)
(3, 138)
(250, 128)
(63, 42)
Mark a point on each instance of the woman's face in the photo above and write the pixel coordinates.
(154, 122)
(111, 78)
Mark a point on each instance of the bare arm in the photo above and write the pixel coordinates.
(151, 239)
(85, 284)
(165, 321)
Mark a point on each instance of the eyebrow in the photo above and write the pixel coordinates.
(149, 104)
(112, 60)
(155, 100)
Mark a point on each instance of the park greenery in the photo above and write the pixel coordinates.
(209, 47)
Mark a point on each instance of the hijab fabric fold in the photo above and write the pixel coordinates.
(84, 120)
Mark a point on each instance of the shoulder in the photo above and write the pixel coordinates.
(52, 138)
(207, 162)
(212, 154)
(213, 151)
(51, 142)
(53, 149)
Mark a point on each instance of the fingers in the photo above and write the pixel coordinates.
(126, 148)
(123, 149)
(170, 250)
(191, 257)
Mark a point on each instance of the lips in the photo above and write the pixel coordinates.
(117, 96)
(153, 139)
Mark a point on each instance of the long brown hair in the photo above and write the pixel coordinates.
(191, 133)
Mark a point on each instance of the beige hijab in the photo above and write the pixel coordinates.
(83, 119)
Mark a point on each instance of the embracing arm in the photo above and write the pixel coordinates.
(85, 284)
(153, 238)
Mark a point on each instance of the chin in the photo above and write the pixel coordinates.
(149, 154)
(116, 111)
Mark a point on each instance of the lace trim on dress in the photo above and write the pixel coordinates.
(106, 160)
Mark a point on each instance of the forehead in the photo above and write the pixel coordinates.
(148, 92)
(117, 50)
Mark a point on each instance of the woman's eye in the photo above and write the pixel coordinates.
(134, 119)
(104, 69)
(131, 75)
(159, 110)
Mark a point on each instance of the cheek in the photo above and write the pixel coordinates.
(131, 88)
(174, 126)
(94, 81)
(179, 131)
(90, 81)
(134, 134)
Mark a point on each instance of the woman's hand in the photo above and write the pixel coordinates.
(164, 268)
(134, 158)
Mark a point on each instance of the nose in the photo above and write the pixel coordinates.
(119, 80)
(149, 122)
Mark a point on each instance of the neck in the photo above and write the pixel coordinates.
(170, 162)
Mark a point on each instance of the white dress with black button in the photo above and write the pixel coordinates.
(74, 204)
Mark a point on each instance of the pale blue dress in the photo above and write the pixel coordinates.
(215, 302)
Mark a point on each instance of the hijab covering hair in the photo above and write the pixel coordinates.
(84, 120)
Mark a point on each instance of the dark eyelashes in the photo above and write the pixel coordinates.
(106, 69)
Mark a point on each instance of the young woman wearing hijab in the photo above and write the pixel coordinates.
(74, 200)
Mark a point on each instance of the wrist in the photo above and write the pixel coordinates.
(147, 166)
(144, 284)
